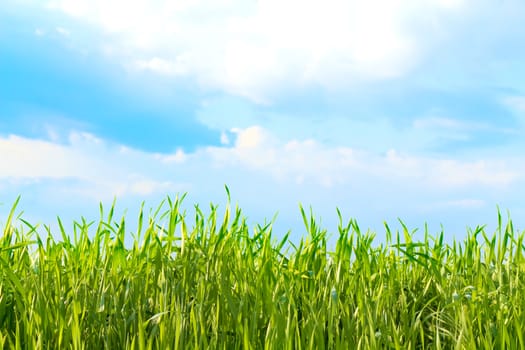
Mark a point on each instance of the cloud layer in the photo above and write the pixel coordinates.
(89, 158)
(257, 49)
(258, 167)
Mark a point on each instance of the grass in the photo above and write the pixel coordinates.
(217, 284)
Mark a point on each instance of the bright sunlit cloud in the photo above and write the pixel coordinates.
(253, 48)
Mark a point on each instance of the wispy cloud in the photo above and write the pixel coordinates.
(39, 32)
(158, 65)
(63, 31)
(466, 203)
(517, 105)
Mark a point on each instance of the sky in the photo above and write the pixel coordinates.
(385, 109)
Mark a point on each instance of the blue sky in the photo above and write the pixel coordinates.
(385, 109)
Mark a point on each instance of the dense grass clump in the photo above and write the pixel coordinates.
(217, 284)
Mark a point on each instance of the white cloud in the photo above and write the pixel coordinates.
(308, 160)
(162, 66)
(466, 203)
(225, 140)
(92, 160)
(178, 157)
(102, 170)
(250, 138)
(451, 4)
(451, 173)
(26, 158)
(253, 49)
(63, 31)
(266, 173)
(147, 187)
(434, 128)
(102, 190)
(515, 103)
(440, 122)
(456, 125)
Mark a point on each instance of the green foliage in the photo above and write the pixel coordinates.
(218, 285)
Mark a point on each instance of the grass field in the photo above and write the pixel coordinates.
(212, 282)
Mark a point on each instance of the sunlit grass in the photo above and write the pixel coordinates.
(212, 282)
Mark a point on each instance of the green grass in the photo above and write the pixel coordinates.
(216, 283)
